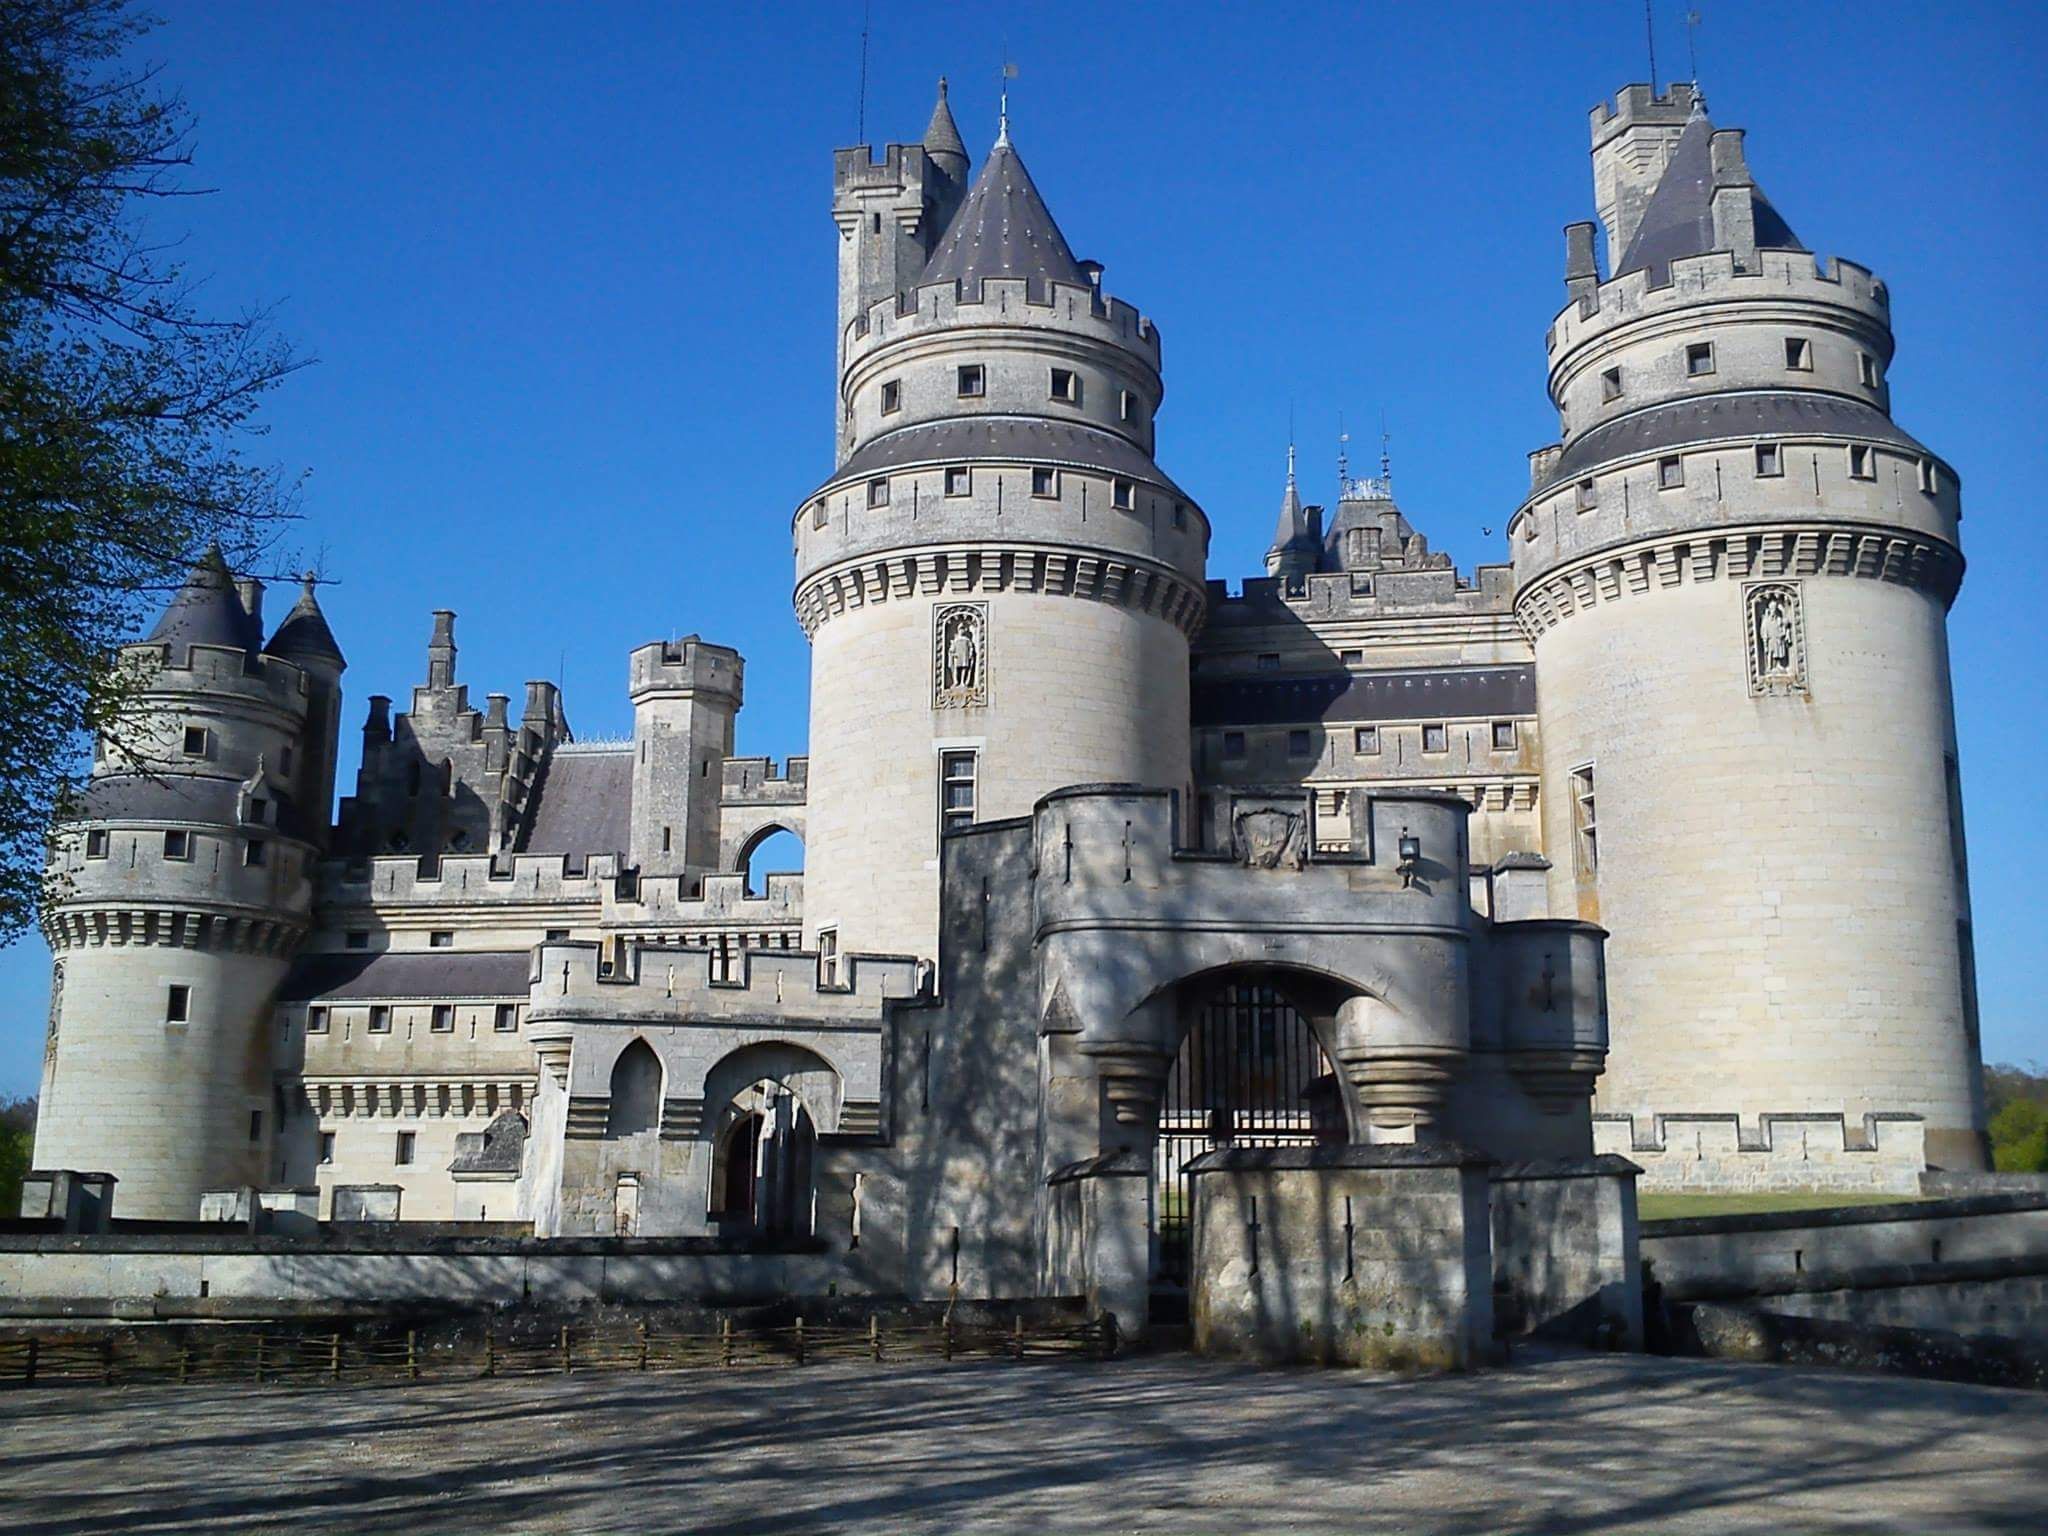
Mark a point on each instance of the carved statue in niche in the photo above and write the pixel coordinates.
(1270, 838)
(1774, 637)
(960, 655)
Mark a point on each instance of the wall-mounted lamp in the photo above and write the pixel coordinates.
(1411, 858)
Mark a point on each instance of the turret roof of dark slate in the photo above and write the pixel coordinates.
(206, 610)
(1445, 693)
(1003, 229)
(1679, 219)
(584, 804)
(1011, 439)
(398, 975)
(942, 134)
(304, 632)
(179, 798)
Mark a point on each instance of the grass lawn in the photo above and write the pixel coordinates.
(1671, 1207)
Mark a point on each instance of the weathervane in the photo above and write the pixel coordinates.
(1003, 111)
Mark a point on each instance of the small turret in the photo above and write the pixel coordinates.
(305, 640)
(1298, 540)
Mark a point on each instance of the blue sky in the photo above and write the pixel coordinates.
(568, 273)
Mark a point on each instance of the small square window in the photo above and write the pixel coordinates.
(892, 397)
(444, 1018)
(555, 935)
(255, 852)
(1866, 369)
(1352, 658)
(178, 845)
(1233, 745)
(878, 492)
(1180, 515)
(1300, 744)
(1045, 482)
(1365, 741)
(1503, 735)
(1610, 384)
(1269, 662)
(1436, 738)
(255, 1125)
(259, 810)
(356, 938)
(178, 1004)
(1799, 354)
(959, 482)
(402, 1156)
(1699, 358)
(973, 381)
(505, 1018)
(1587, 496)
(316, 1021)
(380, 1020)
(1123, 495)
(818, 513)
(1066, 385)
(441, 938)
(195, 741)
(1768, 460)
(96, 844)
(1862, 463)
(326, 1148)
(1670, 474)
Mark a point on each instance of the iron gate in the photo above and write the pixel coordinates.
(1243, 1075)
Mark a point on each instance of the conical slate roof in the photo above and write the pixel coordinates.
(304, 635)
(942, 134)
(1291, 526)
(207, 610)
(1004, 229)
(1679, 219)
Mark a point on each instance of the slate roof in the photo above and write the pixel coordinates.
(304, 634)
(1448, 693)
(1679, 218)
(119, 797)
(1004, 229)
(357, 975)
(206, 610)
(942, 134)
(584, 803)
(1005, 439)
(1713, 418)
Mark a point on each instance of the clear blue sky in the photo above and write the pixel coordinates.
(568, 272)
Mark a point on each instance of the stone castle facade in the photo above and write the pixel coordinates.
(1647, 840)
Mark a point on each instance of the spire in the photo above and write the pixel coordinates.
(206, 611)
(304, 634)
(1678, 220)
(1004, 229)
(942, 136)
(1291, 526)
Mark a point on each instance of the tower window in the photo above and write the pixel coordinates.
(1300, 744)
(878, 492)
(195, 741)
(959, 482)
(1045, 482)
(1233, 746)
(96, 844)
(972, 380)
(1587, 496)
(1930, 477)
(667, 839)
(255, 853)
(1365, 741)
(555, 935)
(1610, 384)
(1436, 738)
(380, 1019)
(1670, 474)
(1269, 662)
(1862, 463)
(1768, 460)
(402, 1155)
(828, 956)
(443, 1020)
(316, 1021)
(1126, 406)
(178, 845)
(1699, 358)
(818, 513)
(505, 1019)
(1503, 735)
(177, 1004)
(1180, 515)
(356, 938)
(326, 1148)
(892, 396)
(255, 1125)
(1066, 385)
(1352, 658)
(956, 790)
(1866, 369)
(1123, 495)
(284, 759)
(1799, 354)
(259, 810)
(1585, 836)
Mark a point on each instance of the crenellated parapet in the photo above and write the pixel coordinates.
(676, 903)
(760, 781)
(465, 879)
(1068, 310)
(577, 981)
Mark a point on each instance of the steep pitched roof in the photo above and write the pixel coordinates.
(1678, 221)
(584, 803)
(1004, 229)
(1291, 526)
(304, 634)
(942, 134)
(207, 610)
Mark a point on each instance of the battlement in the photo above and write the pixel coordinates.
(756, 781)
(1360, 595)
(1789, 278)
(1638, 104)
(901, 168)
(575, 980)
(1006, 302)
(220, 671)
(685, 666)
(722, 901)
(465, 879)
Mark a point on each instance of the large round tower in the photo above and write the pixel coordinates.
(1736, 572)
(998, 582)
(180, 887)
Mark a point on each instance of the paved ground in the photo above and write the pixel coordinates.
(1565, 1445)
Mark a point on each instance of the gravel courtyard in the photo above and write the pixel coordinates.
(1171, 1444)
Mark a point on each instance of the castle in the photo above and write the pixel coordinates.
(1647, 841)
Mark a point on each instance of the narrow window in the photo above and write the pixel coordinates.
(1768, 461)
(1066, 385)
(1233, 745)
(878, 492)
(326, 1148)
(828, 956)
(1799, 354)
(1585, 837)
(357, 938)
(96, 844)
(1930, 477)
(1670, 474)
(1123, 495)
(973, 382)
(959, 482)
(259, 810)
(1299, 744)
(316, 1021)
(177, 845)
(178, 1004)
(255, 1125)
(892, 397)
(1862, 463)
(818, 513)
(1180, 515)
(956, 790)
(444, 1018)
(1503, 735)
(1610, 384)
(1127, 406)
(1699, 358)
(1436, 738)
(1587, 496)
(1365, 741)
(380, 1020)
(505, 1018)
(195, 741)
(403, 1156)
(255, 852)
(1866, 368)
(284, 760)
(667, 842)
(1045, 482)
(441, 938)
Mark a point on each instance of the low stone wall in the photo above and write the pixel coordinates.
(1565, 1255)
(1688, 1153)
(1776, 1337)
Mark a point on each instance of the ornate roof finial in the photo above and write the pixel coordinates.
(1003, 109)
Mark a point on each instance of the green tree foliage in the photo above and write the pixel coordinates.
(2017, 1100)
(17, 1145)
(124, 410)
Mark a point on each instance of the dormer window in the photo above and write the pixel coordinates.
(892, 397)
(878, 492)
(1799, 354)
(1045, 482)
(1610, 384)
(259, 810)
(195, 741)
(973, 381)
(959, 482)
(1066, 386)
(1699, 359)
(1123, 495)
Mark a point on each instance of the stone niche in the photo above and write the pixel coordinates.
(1344, 1255)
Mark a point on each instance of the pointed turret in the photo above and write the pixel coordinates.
(304, 635)
(1705, 201)
(942, 141)
(1295, 540)
(206, 611)
(1004, 229)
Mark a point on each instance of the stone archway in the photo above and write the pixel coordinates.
(766, 1104)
